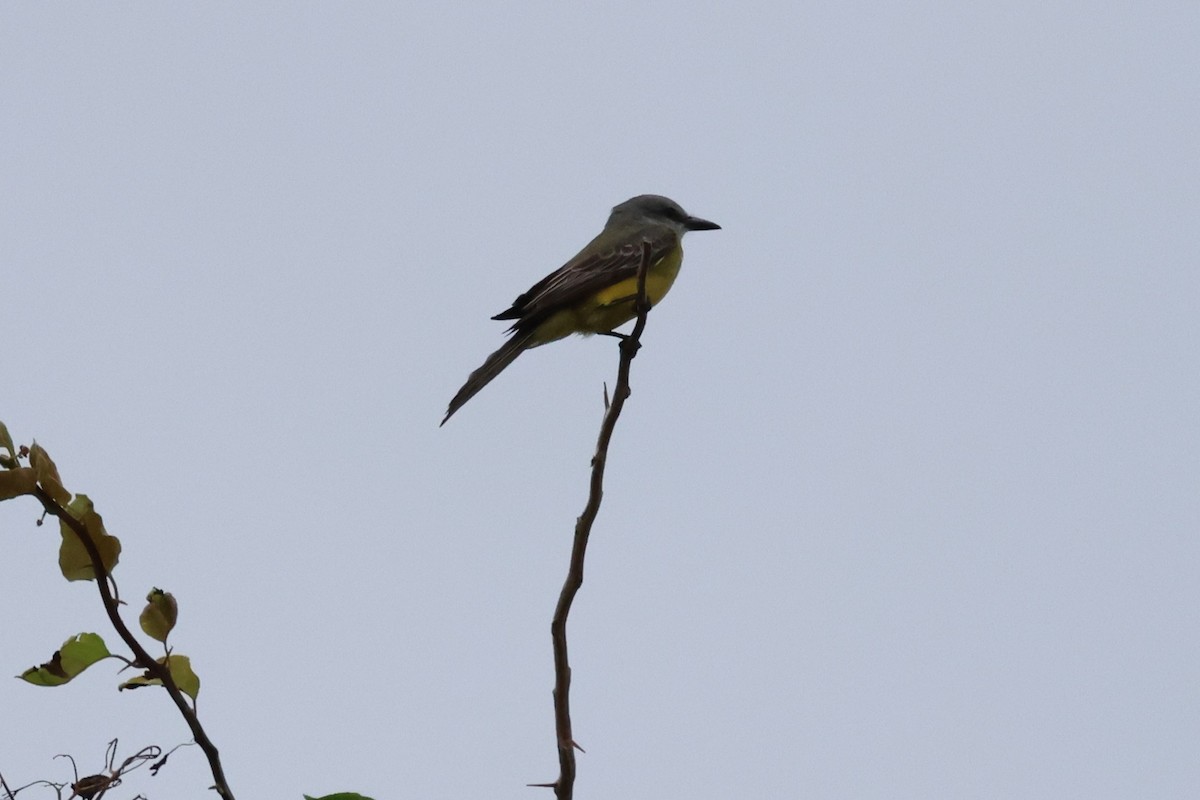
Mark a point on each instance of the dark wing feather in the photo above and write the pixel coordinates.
(584, 275)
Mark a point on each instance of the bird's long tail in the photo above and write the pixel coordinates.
(493, 366)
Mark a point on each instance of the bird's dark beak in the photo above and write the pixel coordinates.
(697, 224)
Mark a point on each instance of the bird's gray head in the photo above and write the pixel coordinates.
(661, 211)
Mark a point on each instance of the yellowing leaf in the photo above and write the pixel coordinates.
(159, 615)
(9, 459)
(76, 655)
(47, 474)
(16, 482)
(73, 557)
(181, 672)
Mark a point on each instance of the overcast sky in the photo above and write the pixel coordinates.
(905, 503)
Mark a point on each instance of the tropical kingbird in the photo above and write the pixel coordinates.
(596, 290)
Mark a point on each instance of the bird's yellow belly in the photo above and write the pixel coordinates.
(612, 306)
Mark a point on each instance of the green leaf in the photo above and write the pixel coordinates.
(181, 672)
(73, 557)
(47, 474)
(159, 615)
(76, 655)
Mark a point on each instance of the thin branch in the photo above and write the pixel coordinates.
(564, 787)
(105, 584)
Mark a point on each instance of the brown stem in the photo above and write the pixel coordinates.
(564, 787)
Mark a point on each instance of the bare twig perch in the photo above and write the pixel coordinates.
(564, 787)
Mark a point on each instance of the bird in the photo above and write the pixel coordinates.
(596, 291)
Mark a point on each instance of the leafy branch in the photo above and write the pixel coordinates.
(88, 552)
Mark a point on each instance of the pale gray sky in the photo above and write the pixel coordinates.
(905, 503)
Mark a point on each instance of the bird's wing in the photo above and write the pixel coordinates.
(586, 274)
